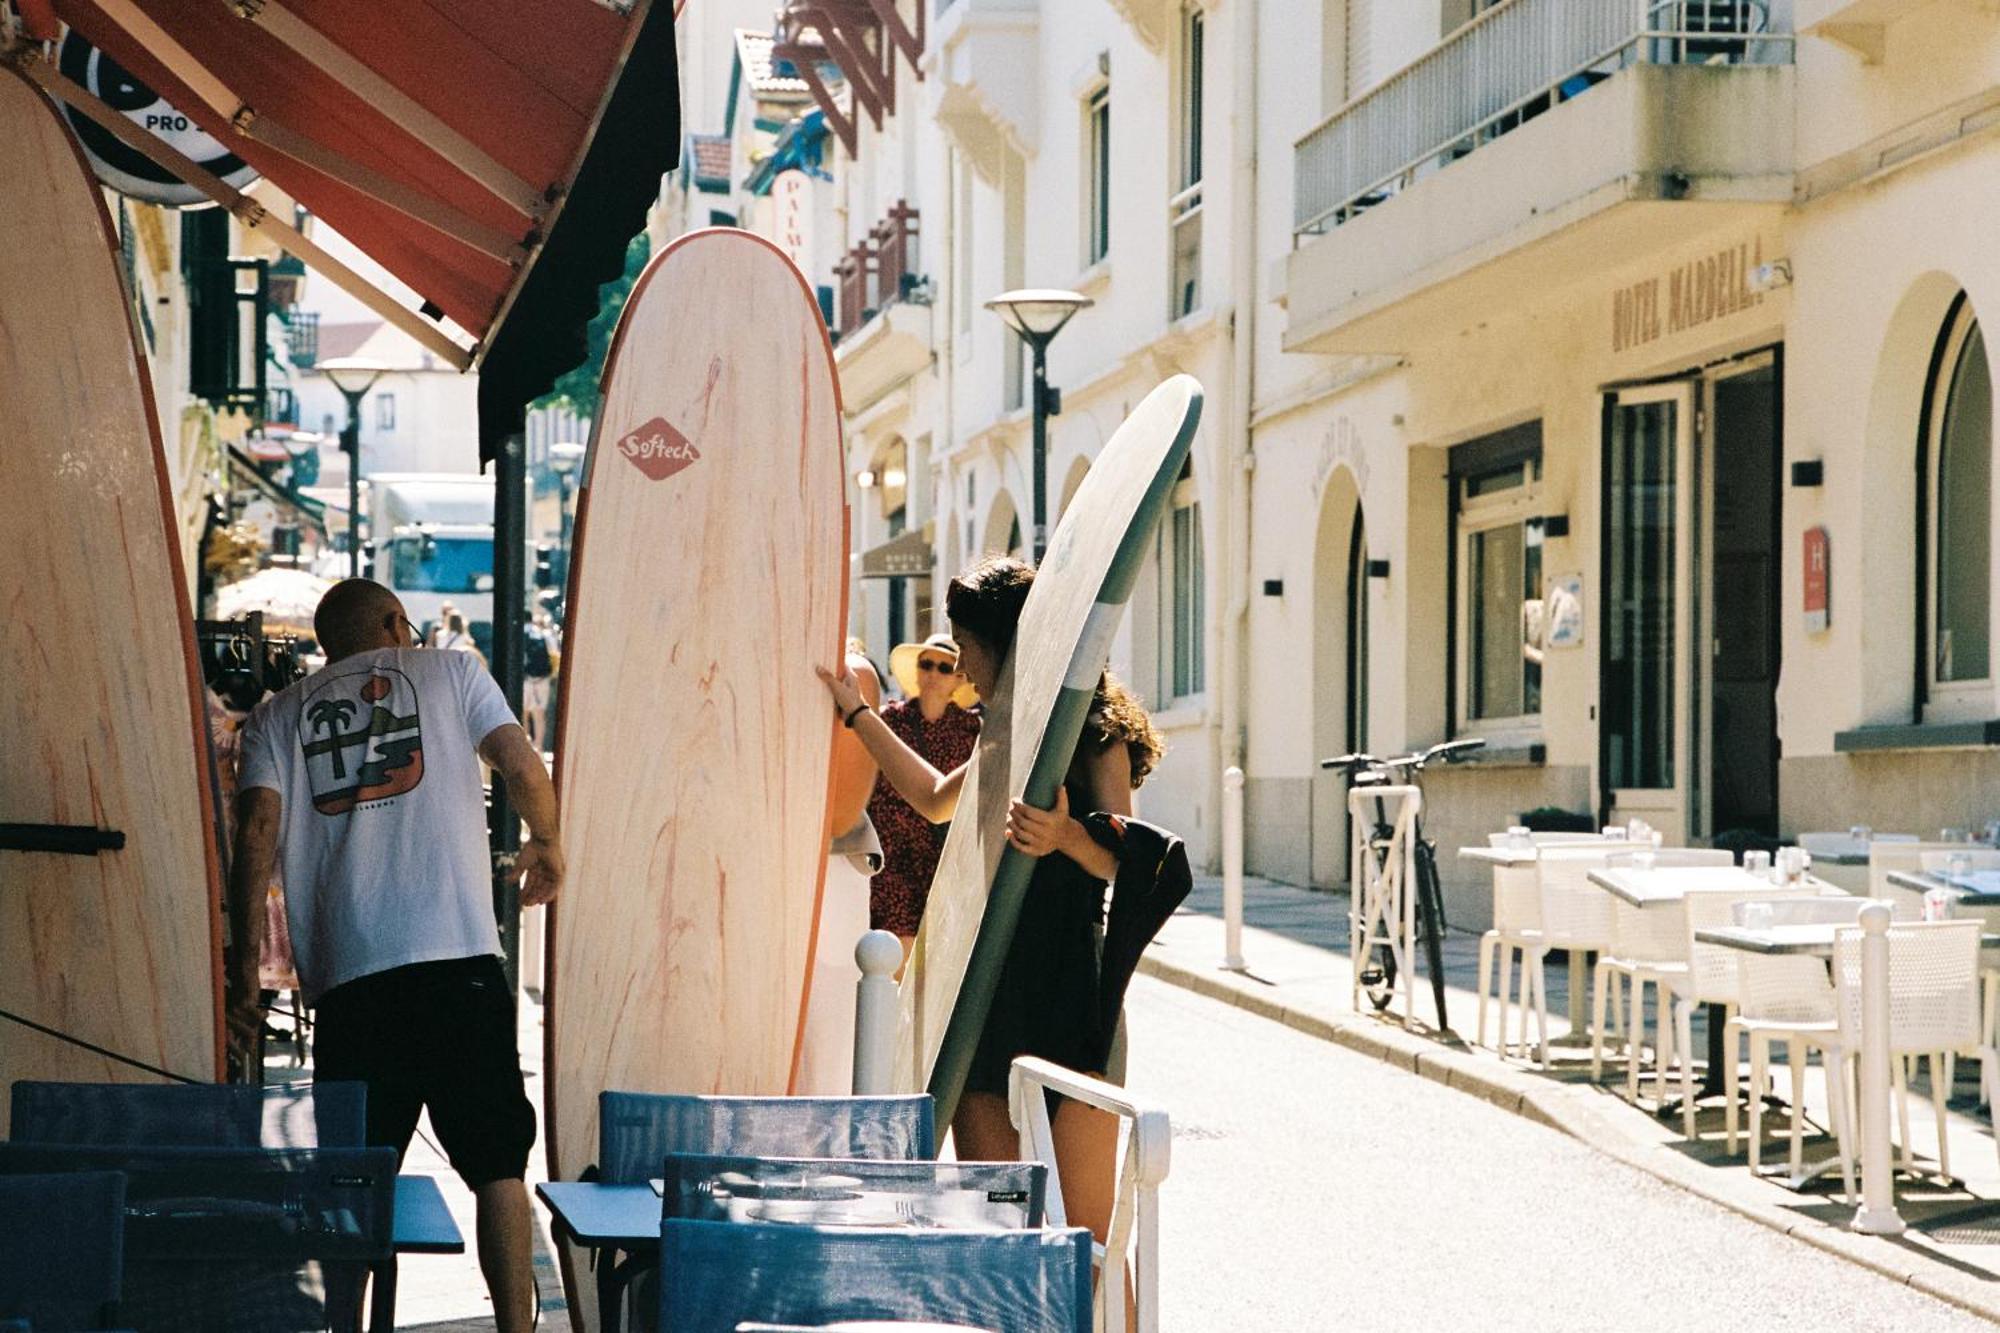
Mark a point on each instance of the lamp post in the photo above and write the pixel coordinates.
(354, 376)
(1038, 314)
(565, 457)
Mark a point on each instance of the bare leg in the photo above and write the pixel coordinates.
(506, 1254)
(982, 1131)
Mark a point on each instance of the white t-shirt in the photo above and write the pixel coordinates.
(383, 836)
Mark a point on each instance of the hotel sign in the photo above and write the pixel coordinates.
(1684, 298)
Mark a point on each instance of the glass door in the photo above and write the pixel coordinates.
(1646, 732)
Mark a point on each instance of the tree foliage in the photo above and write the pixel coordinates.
(576, 389)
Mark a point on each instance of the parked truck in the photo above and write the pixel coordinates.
(432, 540)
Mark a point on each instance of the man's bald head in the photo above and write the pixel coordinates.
(357, 616)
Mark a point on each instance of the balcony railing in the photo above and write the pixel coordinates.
(879, 271)
(1512, 63)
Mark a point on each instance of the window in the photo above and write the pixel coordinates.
(1960, 484)
(1184, 208)
(1184, 592)
(1097, 166)
(1496, 486)
(385, 411)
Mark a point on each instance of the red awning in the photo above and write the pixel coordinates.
(495, 155)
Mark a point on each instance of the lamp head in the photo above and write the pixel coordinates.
(354, 375)
(1038, 313)
(566, 456)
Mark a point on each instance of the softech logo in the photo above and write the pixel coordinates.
(658, 450)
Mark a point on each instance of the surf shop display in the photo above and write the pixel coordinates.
(110, 893)
(1029, 737)
(695, 746)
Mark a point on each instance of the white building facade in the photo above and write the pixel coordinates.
(1604, 379)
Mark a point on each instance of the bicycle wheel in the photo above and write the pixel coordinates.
(1430, 922)
(1378, 970)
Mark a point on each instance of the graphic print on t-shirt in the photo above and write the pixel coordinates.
(362, 738)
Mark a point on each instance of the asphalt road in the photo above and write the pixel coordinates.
(1314, 1188)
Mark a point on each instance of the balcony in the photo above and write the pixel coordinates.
(1545, 142)
(882, 317)
(1859, 25)
(988, 62)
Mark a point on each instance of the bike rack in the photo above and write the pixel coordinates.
(1383, 872)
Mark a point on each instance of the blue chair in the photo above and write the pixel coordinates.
(636, 1131)
(64, 1250)
(257, 1239)
(717, 1275)
(205, 1115)
(996, 1196)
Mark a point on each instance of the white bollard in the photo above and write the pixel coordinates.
(1232, 869)
(1877, 1215)
(878, 955)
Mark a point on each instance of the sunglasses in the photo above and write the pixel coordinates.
(389, 623)
(942, 668)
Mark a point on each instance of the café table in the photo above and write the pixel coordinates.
(423, 1226)
(612, 1220)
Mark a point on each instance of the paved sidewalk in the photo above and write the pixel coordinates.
(1297, 972)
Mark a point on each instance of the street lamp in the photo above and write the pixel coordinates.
(1038, 314)
(354, 376)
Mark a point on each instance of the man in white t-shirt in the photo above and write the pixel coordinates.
(365, 776)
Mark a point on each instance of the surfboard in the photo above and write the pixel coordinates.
(1029, 737)
(113, 934)
(695, 742)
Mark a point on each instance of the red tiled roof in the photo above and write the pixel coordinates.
(709, 158)
(337, 340)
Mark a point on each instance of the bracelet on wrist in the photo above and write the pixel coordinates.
(858, 710)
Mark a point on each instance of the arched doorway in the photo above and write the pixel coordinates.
(1077, 471)
(1339, 666)
(1002, 534)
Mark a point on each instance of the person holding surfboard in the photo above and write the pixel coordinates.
(366, 776)
(1048, 999)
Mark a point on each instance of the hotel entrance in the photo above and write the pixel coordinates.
(1689, 660)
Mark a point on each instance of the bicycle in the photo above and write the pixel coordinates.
(1378, 971)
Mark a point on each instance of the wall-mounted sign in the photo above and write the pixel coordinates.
(791, 217)
(1818, 572)
(122, 168)
(1562, 611)
(1686, 297)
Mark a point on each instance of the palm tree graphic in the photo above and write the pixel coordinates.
(329, 715)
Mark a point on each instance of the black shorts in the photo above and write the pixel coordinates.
(438, 1035)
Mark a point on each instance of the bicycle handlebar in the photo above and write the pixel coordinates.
(1449, 751)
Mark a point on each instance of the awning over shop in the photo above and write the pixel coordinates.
(244, 470)
(907, 556)
(494, 155)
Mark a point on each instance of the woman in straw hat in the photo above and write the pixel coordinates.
(934, 719)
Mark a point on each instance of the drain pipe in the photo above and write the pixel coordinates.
(1239, 456)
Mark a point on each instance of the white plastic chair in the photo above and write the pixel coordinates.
(1648, 946)
(1782, 997)
(1711, 977)
(1575, 915)
(1934, 1010)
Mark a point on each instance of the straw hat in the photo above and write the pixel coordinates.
(903, 666)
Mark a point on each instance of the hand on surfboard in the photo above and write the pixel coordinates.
(1039, 832)
(539, 871)
(844, 688)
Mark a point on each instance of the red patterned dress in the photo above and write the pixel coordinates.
(911, 843)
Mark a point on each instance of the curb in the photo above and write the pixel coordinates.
(1534, 1098)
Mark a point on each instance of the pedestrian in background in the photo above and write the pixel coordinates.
(934, 718)
(538, 668)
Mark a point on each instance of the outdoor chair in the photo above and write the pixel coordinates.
(1648, 946)
(1781, 997)
(1575, 917)
(1710, 977)
(204, 1115)
(253, 1239)
(717, 1275)
(63, 1256)
(967, 1196)
(845, 1326)
(1934, 1010)
(1517, 929)
(636, 1131)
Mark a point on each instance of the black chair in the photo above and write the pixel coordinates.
(204, 1115)
(256, 1239)
(63, 1257)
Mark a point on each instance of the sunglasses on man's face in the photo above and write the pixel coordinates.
(942, 668)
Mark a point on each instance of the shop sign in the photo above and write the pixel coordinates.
(791, 206)
(123, 168)
(1686, 297)
(907, 556)
(1818, 571)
